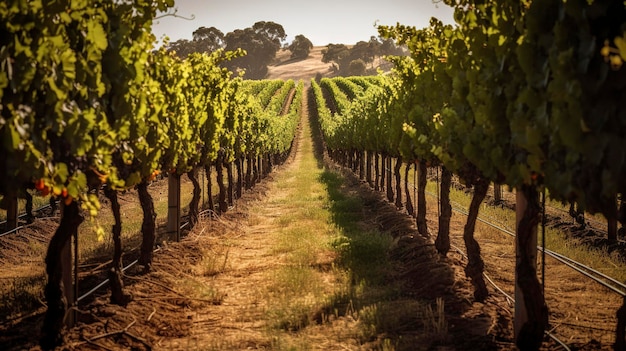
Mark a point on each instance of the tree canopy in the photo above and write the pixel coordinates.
(300, 47)
(348, 60)
(261, 43)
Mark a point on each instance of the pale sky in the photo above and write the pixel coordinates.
(322, 21)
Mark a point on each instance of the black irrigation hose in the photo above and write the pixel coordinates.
(511, 299)
(18, 217)
(106, 281)
(577, 266)
(14, 230)
(590, 272)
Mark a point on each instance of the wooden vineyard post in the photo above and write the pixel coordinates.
(69, 273)
(68, 282)
(173, 206)
(531, 312)
(520, 309)
(497, 193)
(11, 212)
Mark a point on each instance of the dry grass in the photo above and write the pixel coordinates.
(285, 68)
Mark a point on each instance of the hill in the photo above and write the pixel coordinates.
(305, 69)
(284, 67)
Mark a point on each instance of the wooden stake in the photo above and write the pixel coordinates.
(173, 206)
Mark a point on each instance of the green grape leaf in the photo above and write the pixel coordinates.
(96, 35)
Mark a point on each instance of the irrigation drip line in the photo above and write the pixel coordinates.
(21, 216)
(589, 272)
(577, 266)
(14, 230)
(106, 281)
(510, 299)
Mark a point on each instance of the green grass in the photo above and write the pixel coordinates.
(322, 218)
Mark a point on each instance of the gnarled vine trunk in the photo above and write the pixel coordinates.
(389, 176)
(231, 183)
(377, 171)
(475, 265)
(422, 225)
(256, 177)
(497, 193)
(361, 156)
(209, 186)
(239, 170)
(148, 226)
(269, 165)
(12, 210)
(407, 192)
(118, 296)
(29, 207)
(54, 290)
(195, 197)
(577, 213)
(221, 197)
(368, 169)
(383, 171)
(248, 172)
(398, 182)
(260, 169)
(530, 333)
(442, 243)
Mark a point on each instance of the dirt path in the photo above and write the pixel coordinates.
(250, 260)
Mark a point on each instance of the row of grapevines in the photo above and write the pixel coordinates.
(351, 89)
(86, 102)
(526, 94)
(339, 99)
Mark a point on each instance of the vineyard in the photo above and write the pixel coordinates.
(485, 164)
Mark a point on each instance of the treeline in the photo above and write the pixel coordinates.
(529, 95)
(262, 41)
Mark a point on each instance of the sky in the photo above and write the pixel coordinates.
(321, 21)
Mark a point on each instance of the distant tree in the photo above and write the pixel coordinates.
(347, 61)
(274, 32)
(208, 39)
(300, 47)
(389, 47)
(374, 48)
(356, 67)
(361, 50)
(182, 47)
(335, 54)
(261, 43)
